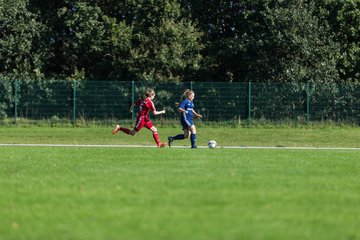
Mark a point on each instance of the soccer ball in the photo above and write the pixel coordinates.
(212, 144)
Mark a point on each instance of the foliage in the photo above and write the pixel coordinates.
(21, 54)
(343, 18)
(298, 45)
(6, 100)
(181, 40)
(142, 40)
(266, 40)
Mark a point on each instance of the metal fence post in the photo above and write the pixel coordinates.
(308, 96)
(191, 85)
(15, 100)
(74, 102)
(132, 100)
(249, 105)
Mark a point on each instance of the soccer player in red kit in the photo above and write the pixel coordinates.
(142, 120)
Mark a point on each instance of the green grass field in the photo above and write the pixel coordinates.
(172, 193)
(289, 137)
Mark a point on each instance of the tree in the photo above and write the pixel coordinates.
(264, 40)
(296, 46)
(21, 54)
(165, 45)
(120, 40)
(343, 18)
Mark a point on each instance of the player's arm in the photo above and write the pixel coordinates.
(158, 112)
(153, 109)
(181, 110)
(136, 103)
(131, 107)
(196, 114)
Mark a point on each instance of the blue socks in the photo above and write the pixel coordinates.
(178, 137)
(182, 136)
(193, 140)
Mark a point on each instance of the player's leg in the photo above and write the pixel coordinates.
(177, 137)
(124, 130)
(119, 128)
(155, 133)
(192, 129)
(180, 136)
(186, 133)
(138, 125)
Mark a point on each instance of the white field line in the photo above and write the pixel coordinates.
(151, 146)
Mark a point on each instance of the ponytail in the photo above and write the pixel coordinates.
(185, 95)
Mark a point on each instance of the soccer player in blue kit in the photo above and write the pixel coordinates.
(186, 110)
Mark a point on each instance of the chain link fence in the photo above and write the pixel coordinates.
(218, 102)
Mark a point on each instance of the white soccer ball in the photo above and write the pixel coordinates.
(212, 144)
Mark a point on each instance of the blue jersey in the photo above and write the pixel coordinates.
(186, 118)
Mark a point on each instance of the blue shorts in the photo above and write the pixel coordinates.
(186, 123)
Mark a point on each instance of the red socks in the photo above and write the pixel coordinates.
(156, 138)
(155, 135)
(125, 130)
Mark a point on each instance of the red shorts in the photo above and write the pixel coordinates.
(143, 121)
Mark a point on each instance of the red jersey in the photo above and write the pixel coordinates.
(145, 107)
